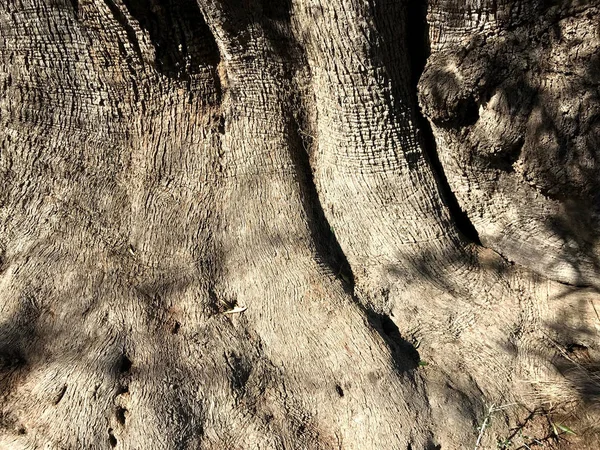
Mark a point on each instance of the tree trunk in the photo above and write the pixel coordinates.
(227, 224)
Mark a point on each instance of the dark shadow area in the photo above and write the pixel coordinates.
(17, 334)
(418, 50)
(277, 10)
(405, 355)
(122, 20)
(183, 43)
(22, 345)
(75, 4)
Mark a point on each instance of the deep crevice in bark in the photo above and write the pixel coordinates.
(328, 248)
(330, 253)
(183, 43)
(418, 47)
(75, 4)
(122, 20)
(405, 355)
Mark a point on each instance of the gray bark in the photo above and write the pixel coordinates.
(226, 224)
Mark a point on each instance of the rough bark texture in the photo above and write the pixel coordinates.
(165, 163)
(512, 90)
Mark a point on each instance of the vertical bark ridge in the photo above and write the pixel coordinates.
(265, 236)
(417, 38)
(368, 158)
(489, 61)
(99, 261)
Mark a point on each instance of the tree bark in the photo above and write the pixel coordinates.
(232, 224)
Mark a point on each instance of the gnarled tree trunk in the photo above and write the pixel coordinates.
(226, 224)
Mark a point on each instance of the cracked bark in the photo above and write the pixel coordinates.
(164, 162)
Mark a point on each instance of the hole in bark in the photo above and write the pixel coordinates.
(240, 371)
(469, 112)
(221, 126)
(176, 327)
(120, 413)
(60, 395)
(22, 431)
(112, 440)
(123, 389)
(124, 364)
(505, 160)
(418, 48)
(339, 390)
(75, 4)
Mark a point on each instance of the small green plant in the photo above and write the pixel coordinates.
(486, 421)
(504, 443)
(565, 429)
(484, 425)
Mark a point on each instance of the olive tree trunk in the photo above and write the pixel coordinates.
(235, 224)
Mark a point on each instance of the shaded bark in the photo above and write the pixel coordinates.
(168, 164)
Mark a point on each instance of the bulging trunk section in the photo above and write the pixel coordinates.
(510, 88)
